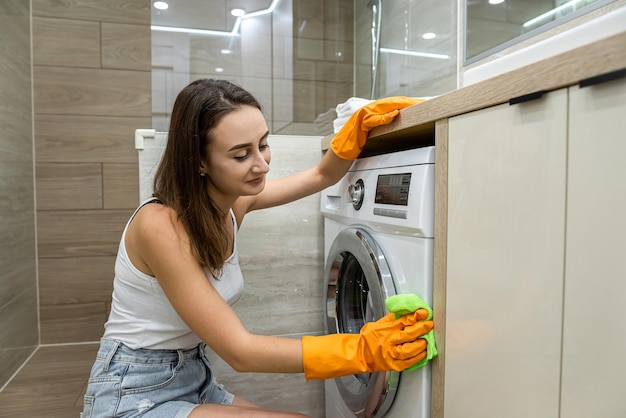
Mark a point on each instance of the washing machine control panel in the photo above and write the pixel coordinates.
(390, 192)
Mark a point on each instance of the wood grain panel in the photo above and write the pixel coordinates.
(80, 232)
(69, 186)
(12, 359)
(121, 11)
(75, 280)
(126, 46)
(440, 265)
(79, 91)
(75, 322)
(121, 186)
(67, 43)
(87, 138)
(17, 226)
(18, 322)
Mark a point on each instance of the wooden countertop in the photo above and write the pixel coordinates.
(416, 124)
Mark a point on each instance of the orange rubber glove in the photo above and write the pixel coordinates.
(350, 139)
(384, 345)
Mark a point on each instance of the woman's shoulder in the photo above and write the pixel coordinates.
(157, 219)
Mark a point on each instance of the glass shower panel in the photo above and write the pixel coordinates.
(416, 50)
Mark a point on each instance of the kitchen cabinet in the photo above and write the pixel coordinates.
(594, 331)
(536, 266)
(506, 227)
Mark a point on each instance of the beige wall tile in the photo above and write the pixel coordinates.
(72, 323)
(69, 186)
(281, 253)
(120, 11)
(71, 138)
(75, 280)
(80, 91)
(121, 185)
(125, 46)
(80, 232)
(67, 43)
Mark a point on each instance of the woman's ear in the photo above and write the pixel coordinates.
(202, 169)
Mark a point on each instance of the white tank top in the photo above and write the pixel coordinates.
(142, 316)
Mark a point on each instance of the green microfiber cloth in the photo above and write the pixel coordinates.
(405, 304)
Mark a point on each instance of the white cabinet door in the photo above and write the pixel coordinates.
(594, 326)
(506, 225)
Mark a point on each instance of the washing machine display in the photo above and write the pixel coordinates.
(378, 229)
(393, 189)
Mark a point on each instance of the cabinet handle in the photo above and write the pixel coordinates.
(527, 97)
(602, 78)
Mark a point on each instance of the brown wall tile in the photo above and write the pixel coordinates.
(67, 43)
(80, 91)
(72, 323)
(121, 186)
(69, 186)
(92, 89)
(61, 138)
(80, 232)
(126, 46)
(75, 280)
(121, 11)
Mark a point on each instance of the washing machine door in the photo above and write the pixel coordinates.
(357, 282)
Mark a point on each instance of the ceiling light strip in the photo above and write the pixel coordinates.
(233, 32)
(191, 31)
(549, 13)
(415, 53)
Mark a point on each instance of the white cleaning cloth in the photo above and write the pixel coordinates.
(346, 109)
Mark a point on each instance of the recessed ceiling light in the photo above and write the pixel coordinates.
(237, 12)
(496, 1)
(219, 70)
(161, 5)
(429, 35)
(225, 51)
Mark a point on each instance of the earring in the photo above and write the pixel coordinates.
(202, 174)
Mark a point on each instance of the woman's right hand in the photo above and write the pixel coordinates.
(387, 344)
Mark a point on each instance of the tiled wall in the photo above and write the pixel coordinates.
(18, 272)
(91, 75)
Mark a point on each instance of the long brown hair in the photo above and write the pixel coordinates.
(197, 110)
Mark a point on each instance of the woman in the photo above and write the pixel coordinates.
(177, 271)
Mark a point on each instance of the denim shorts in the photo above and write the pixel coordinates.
(150, 383)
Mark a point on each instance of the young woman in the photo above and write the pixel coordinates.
(177, 271)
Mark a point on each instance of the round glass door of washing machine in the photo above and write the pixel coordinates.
(357, 282)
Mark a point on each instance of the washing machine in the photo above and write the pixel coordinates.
(378, 242)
